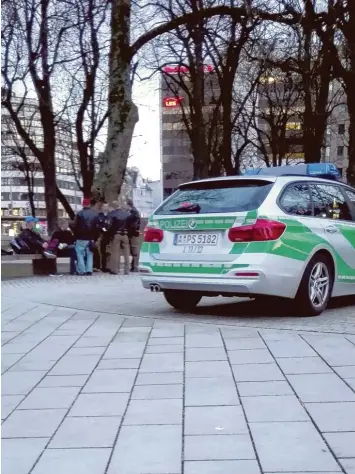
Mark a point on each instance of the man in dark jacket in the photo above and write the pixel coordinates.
(134, 234)
(85, 233)
(119, 239)
(33, 241)
(63, 244)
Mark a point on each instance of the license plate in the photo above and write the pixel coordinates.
(196, 239)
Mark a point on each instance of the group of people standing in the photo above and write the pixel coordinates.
(105, 235)
(96, 240)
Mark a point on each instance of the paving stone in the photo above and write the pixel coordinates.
(8, 360)
(43, 398)
(164, 349)
(167, 332)
(338, 416)
(203, 448)
(154, 412)
(291, 348)
(348, 465)
(100, 404)
(347, 372)
(221, 467)
(336, 350)
(84, 351)
(204, 340)
(257, 372)
(86, 432)
(321, 388)
(208, 369)
(342, 444)
(19, 455)
(32, 423)
(63, 381)
(118, 364)
(162, 363)
(147, 450)
(119, 380)
(240, 332)
(246, 343)
(156, 392)
(223, 420)
(304, 365)
(196, 354)
(20, 383)
(73, 461)
(30, 363)
(99, 341)
(274, 408)
(210, 391)
(251, 356)
(75, 365)
(143, 329)
(125, 350)
(130, 337)
(254, 389)
(166, 341)
(351, 382)
(160, 378)
(280, 450)
(9, 403)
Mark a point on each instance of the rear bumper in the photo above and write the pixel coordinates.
(273, 285)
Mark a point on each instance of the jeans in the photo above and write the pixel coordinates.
(84, 257)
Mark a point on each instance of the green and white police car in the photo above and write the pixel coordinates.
(287, 236)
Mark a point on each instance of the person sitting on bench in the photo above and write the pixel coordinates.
(30, 242)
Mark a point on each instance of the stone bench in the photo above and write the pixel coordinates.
(16, 266)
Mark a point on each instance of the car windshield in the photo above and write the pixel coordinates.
(213, 197)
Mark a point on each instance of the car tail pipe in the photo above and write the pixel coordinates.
(154, 288)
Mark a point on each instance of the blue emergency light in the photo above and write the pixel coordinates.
(317, 170)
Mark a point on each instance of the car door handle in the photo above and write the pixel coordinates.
(331, 229)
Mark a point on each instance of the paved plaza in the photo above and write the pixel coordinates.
(102, 377)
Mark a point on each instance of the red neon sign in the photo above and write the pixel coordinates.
(172, 101)
(184, 69)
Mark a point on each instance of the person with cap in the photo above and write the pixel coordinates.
(85, 233)
(134, 234)
(32, 240)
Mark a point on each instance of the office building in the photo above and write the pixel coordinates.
(15, 179)
(176, 156)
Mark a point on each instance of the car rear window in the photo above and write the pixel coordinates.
(213, 197)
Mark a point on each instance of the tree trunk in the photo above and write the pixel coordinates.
(50, 196)
(32, 203)
(63, 200)
(123, 112)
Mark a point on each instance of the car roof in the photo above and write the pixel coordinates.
(271, 179)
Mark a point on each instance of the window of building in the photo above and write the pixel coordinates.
(293, 126)
(296, 199)
(340, 151)
(335, 206)
(341, 128)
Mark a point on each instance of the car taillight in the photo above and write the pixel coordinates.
(262, 230)
(152, 234)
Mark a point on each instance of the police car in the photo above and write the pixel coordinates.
(286, 232)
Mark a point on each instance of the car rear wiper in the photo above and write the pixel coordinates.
(187, 208)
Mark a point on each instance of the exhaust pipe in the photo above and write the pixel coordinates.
(154, 288)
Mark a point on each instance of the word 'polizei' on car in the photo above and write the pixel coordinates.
(286, 232)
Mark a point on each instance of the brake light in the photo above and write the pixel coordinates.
(152, 234)
(262, 230)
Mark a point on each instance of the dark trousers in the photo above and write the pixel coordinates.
(69, 252)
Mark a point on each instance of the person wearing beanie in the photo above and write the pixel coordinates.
(85, 233)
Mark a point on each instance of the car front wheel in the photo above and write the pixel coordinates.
(316, 286)
(182, 300)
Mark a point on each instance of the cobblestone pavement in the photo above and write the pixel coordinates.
(101, 377)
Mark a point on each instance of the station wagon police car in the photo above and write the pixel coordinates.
(285, 232)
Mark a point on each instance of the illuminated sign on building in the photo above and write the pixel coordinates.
(184, 69)
(172, 101)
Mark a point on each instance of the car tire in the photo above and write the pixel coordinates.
(182, 300)
(316, 286)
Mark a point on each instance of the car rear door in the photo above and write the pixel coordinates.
(197, 218)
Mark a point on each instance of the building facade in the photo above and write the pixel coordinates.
(176, 155)
(21, 172)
